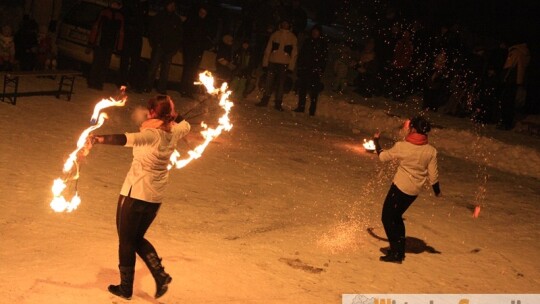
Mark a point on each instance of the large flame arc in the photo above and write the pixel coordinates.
(209, 134)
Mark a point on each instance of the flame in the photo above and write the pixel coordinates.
(208, 134)
(369, 145)
(59, 203)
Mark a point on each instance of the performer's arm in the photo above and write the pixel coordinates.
(111, 139)
(433, 173)
(377, 143)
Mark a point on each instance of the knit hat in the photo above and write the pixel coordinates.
(420, 124)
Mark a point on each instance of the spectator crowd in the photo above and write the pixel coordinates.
(270, 45)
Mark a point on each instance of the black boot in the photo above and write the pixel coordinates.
(158, 272)
(299, 109)
(125, 289)
(394, 254)
(277, 106)
(313, 108)
(264, 101)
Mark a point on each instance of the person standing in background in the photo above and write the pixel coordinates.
(279, 59)
(196, 41)
(311, 65)
(106, 37)
(135, 13)
(165, 37)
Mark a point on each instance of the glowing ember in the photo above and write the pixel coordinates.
(369, 145)
(208, 134)
(59, 203)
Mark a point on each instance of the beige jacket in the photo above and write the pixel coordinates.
(152, 148)
(417, 164)
(281, 48)
(518, 57)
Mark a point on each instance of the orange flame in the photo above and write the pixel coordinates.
(59, 203)
(369, 145)
(208, 134)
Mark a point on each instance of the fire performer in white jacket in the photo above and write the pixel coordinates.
(143, 188)
(417, 164)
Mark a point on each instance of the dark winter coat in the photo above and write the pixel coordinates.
(243, 60)
(197, 34)
(108, 31)
(166, 31)
(313, 57)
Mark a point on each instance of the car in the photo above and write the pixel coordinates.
(74, 30)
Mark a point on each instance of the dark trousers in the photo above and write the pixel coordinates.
(191, 61)
(130, 59)
(275, 79)
(507, 104)
(159, 59)
(308, 84)
(395, 205)
(100, 66)
(133, 217)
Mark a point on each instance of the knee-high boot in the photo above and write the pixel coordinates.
(158, 272)
(125, 289)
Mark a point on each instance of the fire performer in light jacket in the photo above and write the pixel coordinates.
(417, 164)
(143, 188)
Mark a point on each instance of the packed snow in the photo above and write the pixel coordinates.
(283, 209)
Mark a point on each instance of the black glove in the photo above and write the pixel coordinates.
(178, 118)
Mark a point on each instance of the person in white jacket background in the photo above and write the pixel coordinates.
(279, 59)
(417, 165)
(143, 189)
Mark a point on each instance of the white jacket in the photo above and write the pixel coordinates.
(417, 164)
(281, 48)
(148, 176)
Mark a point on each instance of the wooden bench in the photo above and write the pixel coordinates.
(65, 85)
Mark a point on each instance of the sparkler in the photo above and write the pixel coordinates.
(71, 167)
(208, 134)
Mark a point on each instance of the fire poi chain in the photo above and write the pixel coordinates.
(60, 204)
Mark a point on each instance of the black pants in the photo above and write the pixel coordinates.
(191, 61)
(395, 205)
(161, 59)
(100, 66)
(275, 82)
(308, 83)
(133, 217)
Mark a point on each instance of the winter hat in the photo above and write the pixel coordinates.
(420, 124)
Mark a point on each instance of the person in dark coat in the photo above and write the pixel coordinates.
(311, 65)
(26, 45)
(367, 68)
(165, 37)
(130, 59)
(242, 82)
(224, 57)
(196, 41)
(106, 37)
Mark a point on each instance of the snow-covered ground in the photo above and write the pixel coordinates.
(283, 209)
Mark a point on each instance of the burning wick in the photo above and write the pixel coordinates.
(369, 145)
(208, 134)
(59, 203)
